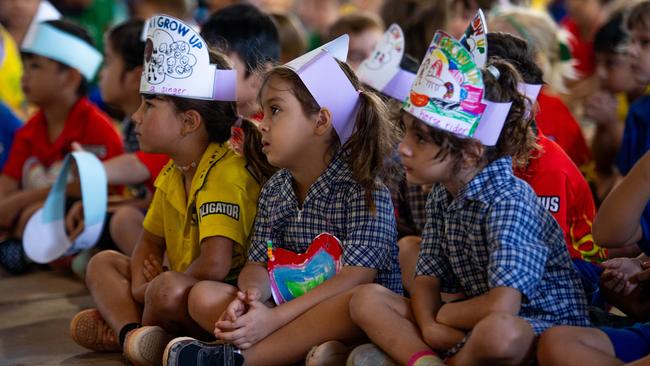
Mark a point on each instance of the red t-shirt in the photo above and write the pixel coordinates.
(555, 120)
(561, 188)
(154, 164)
(35, 161)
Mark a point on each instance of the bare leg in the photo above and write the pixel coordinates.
(208, 300)
(126, 228)
(166, 303)
(498, 339)
(568, 346)
(645, 361)
(409, 247)
(326, 321)
(108, 277)
(388, 320)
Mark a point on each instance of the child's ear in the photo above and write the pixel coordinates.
(191, 122)
(323, 122)
(73, 79)
(472, 156)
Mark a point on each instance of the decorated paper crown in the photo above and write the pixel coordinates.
(329, 85)
(177, 63)
(45, 238)
(382, 69)
(45, 12)
(448, 91)
(55, 44)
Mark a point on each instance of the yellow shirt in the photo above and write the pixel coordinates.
(222, 202)
(11, 70)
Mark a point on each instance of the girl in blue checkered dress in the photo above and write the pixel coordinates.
(487, 238)
(326, 184)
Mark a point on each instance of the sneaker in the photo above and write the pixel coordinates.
(12, 257)
(145, 346)
(187, 351)
(330, 353)
(369, 355)
(89, 330)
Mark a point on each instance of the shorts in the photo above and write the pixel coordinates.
(631, 343)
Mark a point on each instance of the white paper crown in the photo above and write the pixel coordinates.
(329, 85)
(448, 91)
(382, 69)
(53, 43)
(177, 63)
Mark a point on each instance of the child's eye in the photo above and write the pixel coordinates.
(274, 110)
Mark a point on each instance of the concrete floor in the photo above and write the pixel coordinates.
(35, 313)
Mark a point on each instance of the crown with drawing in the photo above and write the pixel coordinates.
(328, 83)
(177, 63)
(382, 69)
(449, 91)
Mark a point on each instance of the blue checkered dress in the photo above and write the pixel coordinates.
(495, 234)
(335, 203)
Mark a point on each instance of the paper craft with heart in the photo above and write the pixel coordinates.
(292, 275)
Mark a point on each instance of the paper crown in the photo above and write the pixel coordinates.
(177, 63)
(45, 238)
(448, 91)
(55, 44)
(44, 13)
(382, 69)
(329, 85)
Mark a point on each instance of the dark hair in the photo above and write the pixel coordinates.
(219, 117)
(292, 36)
(611, 36)
(245, 30)
(355, 23)
(418, 30)
(516, 51)
(517, 139)
(373, 138)
(639, 15)
(78, 32)
(125, 40)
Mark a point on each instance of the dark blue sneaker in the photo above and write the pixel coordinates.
(187, 351)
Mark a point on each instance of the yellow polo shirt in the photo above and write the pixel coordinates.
(222, 202)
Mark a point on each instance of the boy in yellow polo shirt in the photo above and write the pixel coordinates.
(203, 209)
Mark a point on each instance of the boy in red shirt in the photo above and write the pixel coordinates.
(58, 62)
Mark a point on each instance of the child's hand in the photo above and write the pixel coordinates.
(250, 328)
(643, 275)
(618, 274)
(151, 268)
(601, 108)
(74, 220)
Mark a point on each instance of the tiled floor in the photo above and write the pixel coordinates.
(35, 312)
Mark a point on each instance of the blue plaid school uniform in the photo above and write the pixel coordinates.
(495, 234)
(335, 203)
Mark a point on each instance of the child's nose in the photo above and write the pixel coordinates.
(403, 149)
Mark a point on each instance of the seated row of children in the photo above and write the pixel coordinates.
(221, 213)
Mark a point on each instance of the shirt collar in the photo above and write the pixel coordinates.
(484, 186)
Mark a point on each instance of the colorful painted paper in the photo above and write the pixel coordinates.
(329, 85)
(382, 69)
(45, 238)
(292, 275)
(475, 39)
(177, 63)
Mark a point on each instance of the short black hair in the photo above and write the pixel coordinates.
(245, 30)
(125, 40)
(517, 52)
(78, 32)
(611, 37)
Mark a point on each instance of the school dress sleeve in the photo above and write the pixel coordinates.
(370, 237)
(432, 260)
(262, 229)
(226, 204)
(518, 254)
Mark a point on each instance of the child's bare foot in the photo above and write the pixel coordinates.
(89, 330)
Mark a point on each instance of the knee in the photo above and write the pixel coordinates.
(206, 296)
(123, 217)
(100, 265)
(364, 298)
(165, 293)
(553, 344)
(503, 336)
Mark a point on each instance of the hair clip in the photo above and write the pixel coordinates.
(494, 71)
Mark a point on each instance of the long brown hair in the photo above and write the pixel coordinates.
(219, 117)
(373, 138)
(517, 139)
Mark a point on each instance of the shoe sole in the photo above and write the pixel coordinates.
(330, 353)
(169, 349)
(81, 325)
(144, 345)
